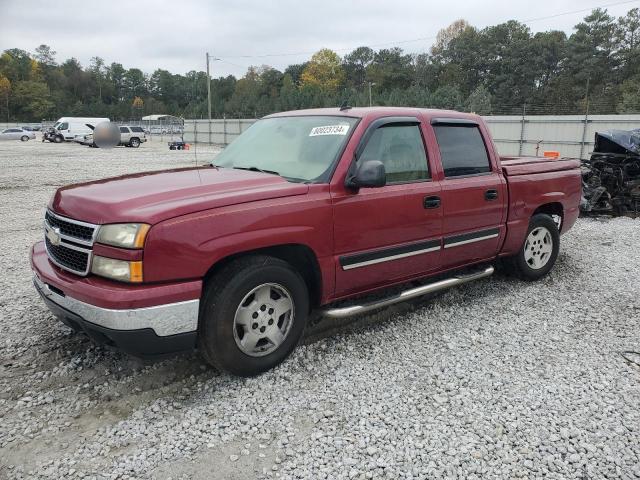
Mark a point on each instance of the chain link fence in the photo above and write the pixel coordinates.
(526, 133)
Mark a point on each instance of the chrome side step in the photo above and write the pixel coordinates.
(345, 312)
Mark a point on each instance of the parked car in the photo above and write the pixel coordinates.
(132, 136)
(303, 210)
(86, 140)
(48, 134)
(17, 134)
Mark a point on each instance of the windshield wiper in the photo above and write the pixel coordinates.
(256, 169)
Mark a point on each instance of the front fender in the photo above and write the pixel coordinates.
(187, 247)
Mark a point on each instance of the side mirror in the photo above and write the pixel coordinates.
(369, 174)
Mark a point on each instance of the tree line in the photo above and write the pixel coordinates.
(501, 69)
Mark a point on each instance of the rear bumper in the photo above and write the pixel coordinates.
(154, 328)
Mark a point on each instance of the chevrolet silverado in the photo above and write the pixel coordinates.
(304, 209)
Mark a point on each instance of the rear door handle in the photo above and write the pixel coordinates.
(431, 202)
(490, 194)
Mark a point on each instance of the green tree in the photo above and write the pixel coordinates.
(390, 68)
(295, 71)
(97, 70)
(447, 97)
(479, 101)
(591, 56)
(5, 92)
(32, 99)
(630, 100)
(15, 64)
(134, 83)
(628, 43)
(355, 66)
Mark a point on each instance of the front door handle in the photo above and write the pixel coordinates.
(491, 195)
(431, 202)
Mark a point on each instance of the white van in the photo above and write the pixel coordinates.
(67, 128)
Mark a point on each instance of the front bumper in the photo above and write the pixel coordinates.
(152, 328)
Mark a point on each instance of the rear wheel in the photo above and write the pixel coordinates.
(253, 315)
(539, 252)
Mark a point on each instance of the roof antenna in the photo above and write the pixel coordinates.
(345, 106)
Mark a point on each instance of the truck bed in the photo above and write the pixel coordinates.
(514, 166)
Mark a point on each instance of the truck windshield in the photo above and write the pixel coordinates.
(299, 148)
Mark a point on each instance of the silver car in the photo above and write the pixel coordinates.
(17, 134)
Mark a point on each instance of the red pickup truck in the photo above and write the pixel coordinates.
(304, 209)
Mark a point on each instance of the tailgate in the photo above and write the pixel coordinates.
(513, 166)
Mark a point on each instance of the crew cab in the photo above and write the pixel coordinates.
(304, 209)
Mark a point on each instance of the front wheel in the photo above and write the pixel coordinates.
(24, 138)
(57, 139)
(135, 143)
(539, 252)
(253, 315)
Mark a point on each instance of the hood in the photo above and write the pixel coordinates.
(624, 142)
(155, 196)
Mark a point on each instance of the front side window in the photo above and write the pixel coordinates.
(63, 126)
(462, 150)
(298, 148)
(401, 150)
(137, 129)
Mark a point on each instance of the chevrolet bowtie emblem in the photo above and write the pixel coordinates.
(53, 234)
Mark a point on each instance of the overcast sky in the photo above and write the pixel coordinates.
(175, 35)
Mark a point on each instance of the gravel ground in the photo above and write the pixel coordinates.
(497, 379)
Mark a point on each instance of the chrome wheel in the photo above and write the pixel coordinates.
(538, 248)
(263, 319)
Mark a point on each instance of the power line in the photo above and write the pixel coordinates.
(579, 11)
(421, 39)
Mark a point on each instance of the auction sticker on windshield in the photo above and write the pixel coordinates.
(329, 130)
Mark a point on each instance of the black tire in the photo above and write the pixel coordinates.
(57, 139)
(519, 266)
(134, 142)
(223, 294)
(24, 138)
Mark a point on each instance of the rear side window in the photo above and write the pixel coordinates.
(462, 150)
(401, 150)
(136, 129)
(124, 130)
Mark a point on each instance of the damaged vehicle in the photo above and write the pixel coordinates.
(611, 177)
(303, 210)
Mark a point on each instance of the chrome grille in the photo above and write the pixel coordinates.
(82, 232)
(69, 242)
(68, 258)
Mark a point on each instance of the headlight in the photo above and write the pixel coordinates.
(114, 269)
(127, 235)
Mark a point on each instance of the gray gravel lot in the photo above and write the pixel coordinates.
(497, 379)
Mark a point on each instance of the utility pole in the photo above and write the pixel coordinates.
(370, 84)
(208, 90)
(586, 119)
